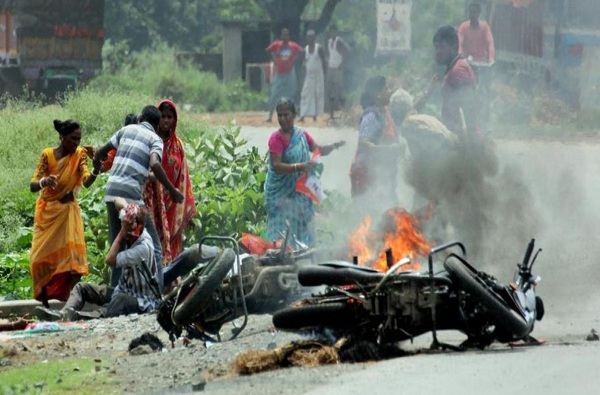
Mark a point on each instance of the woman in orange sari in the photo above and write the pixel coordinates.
(58, 258)
(178, 216)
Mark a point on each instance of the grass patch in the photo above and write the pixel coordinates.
(72, 376)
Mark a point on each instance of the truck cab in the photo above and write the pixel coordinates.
(50, 46)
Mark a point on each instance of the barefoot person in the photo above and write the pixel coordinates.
(284, 53)
(476, 43)
(290, 150)
(139, 149)
(58, 258)
(137, 288)
(374, 169)
(338, 53)
(178, 216)
(312, 101)
(459, 86)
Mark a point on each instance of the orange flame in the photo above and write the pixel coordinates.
(400, 233)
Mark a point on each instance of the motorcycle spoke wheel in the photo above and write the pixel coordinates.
(199, 295)
(504, 317)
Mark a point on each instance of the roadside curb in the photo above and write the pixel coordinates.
(19, 308)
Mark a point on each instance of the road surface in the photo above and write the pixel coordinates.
(563, 181)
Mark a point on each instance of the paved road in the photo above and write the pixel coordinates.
(562, 182)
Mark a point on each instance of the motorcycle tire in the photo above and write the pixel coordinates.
(337, 315)
(504, 316)
(199, 295)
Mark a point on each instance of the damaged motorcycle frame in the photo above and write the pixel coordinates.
(231, 286)
(396, 306)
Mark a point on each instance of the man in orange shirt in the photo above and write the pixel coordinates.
(475, 38)
(476, 44)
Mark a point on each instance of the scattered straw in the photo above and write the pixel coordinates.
(307, 353)
(255, 361)
(325, 355)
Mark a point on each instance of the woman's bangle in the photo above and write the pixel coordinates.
(40, 183)
(95, 174)
(295, 167)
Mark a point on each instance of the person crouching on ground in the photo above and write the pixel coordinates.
(137, 289)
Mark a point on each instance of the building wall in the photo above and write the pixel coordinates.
(232, 53)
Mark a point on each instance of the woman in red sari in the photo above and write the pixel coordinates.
(178, 216)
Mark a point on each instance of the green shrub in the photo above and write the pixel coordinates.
(228, 178)
(159, 73)
(16, 215)
(101, 113)
(95, 225)
(15, 280)
(240, 98)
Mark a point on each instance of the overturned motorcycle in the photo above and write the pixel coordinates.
(232, 285)
(399, 305)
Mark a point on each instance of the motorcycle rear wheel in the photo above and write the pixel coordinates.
(336, 315)
(504, 316)
(199, 295)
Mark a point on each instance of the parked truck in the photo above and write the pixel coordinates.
(49, 46)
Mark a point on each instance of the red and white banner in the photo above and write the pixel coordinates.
(393, 27)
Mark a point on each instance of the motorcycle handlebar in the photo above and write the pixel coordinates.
(527, 256)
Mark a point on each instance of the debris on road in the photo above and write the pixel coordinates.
(592, 336)
(147, 342)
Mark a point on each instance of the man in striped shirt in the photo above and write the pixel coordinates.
(139, 150)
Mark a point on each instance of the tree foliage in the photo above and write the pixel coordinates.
(181, 23)
(192, 25)
(288, 13)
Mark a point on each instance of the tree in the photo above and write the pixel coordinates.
(188, 24)
(288, 14)
(181, 23)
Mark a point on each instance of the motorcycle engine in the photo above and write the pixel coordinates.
(163, 317)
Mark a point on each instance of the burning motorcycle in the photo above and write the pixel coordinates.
(230, 286)
(395, 305)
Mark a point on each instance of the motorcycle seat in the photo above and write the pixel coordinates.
(337, 273)
(348, 265)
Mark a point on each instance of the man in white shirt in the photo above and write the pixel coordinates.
(338, 52)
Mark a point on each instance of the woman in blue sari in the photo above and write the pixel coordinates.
(290, 150)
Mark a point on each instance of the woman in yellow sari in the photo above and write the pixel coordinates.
(58, 258)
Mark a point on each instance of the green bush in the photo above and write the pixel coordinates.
(228, 179)
(101, 113)
(15, 280)
(158, 72)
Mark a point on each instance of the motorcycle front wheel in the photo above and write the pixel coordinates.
(504, 316)
(335, 315)
(201, 290)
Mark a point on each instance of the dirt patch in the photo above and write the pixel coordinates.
(177, 368)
